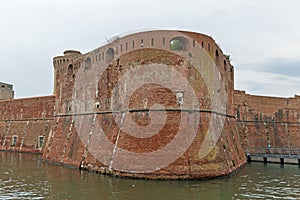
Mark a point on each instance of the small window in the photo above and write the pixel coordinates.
(133, 44)
(70, 69)
(202, 44)
(194, 43)
(87, 63)
(164, 41)
(41, 140)
(110, 54)
(126, 46)
(14, 140)
(178, 44)
(142, 42)
(225, 68)
(3, 86)
(121, 48)
(179, 96)
(208, 47)
(97, 105)
(102, 55)
(68, 105)
(152, 41)
(217, 53)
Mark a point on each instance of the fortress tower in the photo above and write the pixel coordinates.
(155, 104)
(6, 91)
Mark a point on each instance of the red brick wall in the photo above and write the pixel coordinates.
(268, 119)
(27, 120)
(72, 144)
(93, 138)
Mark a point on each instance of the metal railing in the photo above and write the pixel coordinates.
(274, 152)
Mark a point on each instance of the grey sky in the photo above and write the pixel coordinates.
(262, 36)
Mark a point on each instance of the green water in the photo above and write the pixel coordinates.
(25, 176)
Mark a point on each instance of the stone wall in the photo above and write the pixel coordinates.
(268, 120)
(96, 122)
(90, 113)
(25, 123)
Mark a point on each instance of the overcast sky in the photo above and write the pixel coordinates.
(262, 36)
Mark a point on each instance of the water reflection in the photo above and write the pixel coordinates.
(25, 176)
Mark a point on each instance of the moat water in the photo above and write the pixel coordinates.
(26, 176)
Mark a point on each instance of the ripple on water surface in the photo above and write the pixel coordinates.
(25, 176)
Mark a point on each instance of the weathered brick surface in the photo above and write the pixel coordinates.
(27, 120)
(86, 123)
(263, 120)
(81, 143)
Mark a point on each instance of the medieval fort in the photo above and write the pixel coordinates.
(155, 105)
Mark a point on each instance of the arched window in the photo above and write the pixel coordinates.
(179, 44)
(225, 68)
(109, 56)
(217, 53)
(87, 63)
(70, 69)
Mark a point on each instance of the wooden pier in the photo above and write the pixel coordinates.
(274, 155)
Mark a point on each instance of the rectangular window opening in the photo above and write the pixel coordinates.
(152, 41)
(14, 140)
(41, 140)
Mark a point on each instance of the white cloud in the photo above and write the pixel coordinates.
(266, 83)
(34, 31)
